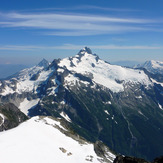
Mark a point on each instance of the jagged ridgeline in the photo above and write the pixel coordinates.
(122, 107)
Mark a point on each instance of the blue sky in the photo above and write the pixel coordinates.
(115, 30)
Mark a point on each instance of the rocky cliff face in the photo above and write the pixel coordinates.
(127, 159)
(10, 116)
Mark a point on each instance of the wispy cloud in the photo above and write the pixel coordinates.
(75, 24)
(77, 47)
(76, 17)
(83, 7)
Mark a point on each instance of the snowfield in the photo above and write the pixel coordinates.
(38, 141)
(26, 105)
(24, 82)
(3, 119)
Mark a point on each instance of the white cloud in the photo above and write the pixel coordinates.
(83, 7)
(105, 8)
(76, 18)
(74, 24)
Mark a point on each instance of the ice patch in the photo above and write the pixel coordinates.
(108, 102)
(140, 112)
(26, 105)
(3, 119)
(52, 90)
(63, 102)
(106, 112)
(71, 80)
(160, 106)
(154, 81)
(60, 70)
(65, 116)
(138, 97)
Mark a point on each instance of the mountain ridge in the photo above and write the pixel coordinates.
(152, 66)
(104, 102)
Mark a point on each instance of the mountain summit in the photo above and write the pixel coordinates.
(44, 63)
(85, 50)
(155, 67)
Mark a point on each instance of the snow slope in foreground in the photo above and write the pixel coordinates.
(37, 141)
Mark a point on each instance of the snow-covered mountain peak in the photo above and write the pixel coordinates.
(27, 80)
(44, 63)
(111, 76)
(85, 50)
(152, 66)
(84, 57)
(155, 64)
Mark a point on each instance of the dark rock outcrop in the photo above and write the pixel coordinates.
(10, 117)
(128, 159)
(158, 160)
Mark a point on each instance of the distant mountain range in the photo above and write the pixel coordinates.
(120, 107)
(155, 67)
